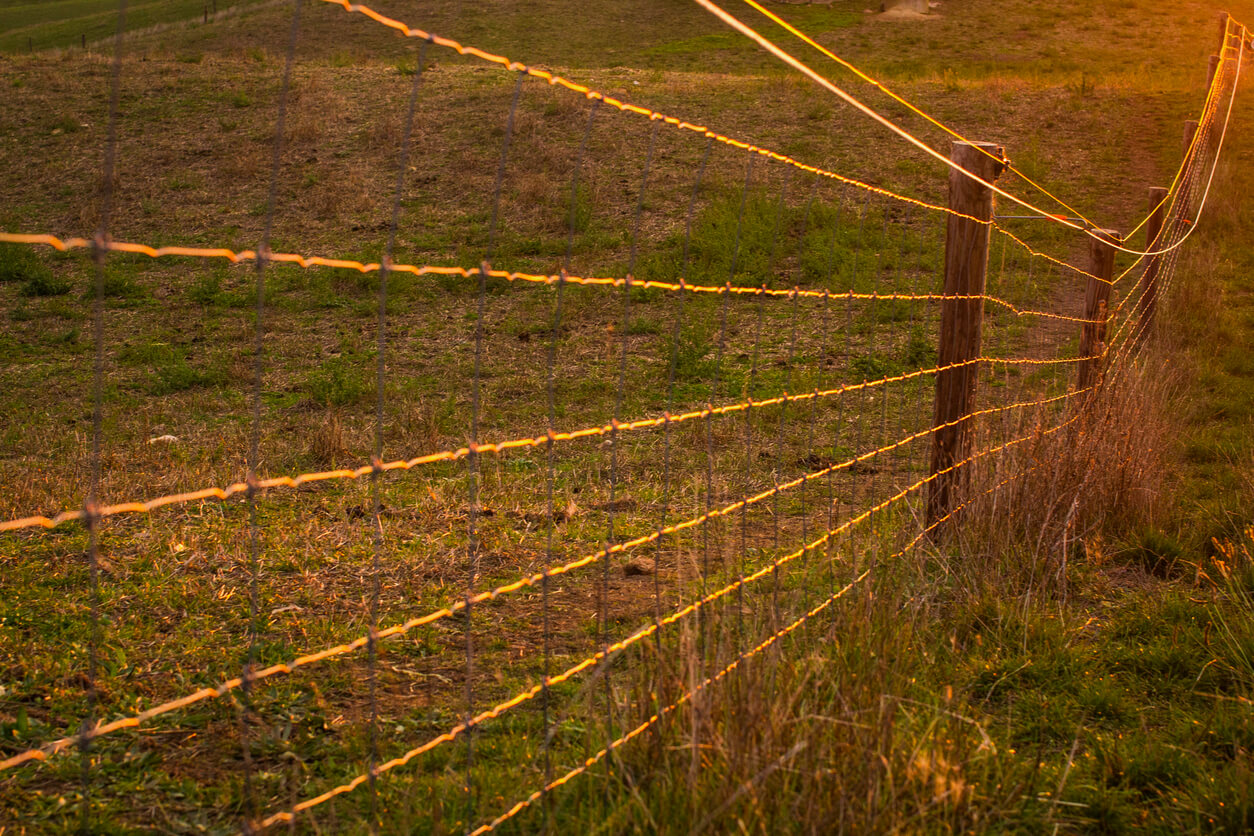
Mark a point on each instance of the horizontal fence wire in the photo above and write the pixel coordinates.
(611, 282)
(767, 570)
(239, 488)
(230, 685)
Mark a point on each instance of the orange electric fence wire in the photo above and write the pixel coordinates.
(650, 629)
(906, 103)
(43, 752)
(827, 84)
(307, 262)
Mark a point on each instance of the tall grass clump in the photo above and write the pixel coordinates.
(1103, 475)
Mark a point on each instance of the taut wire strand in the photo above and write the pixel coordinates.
(307, 262)
(499, 447)
(134, 721)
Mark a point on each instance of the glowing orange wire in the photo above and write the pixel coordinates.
(43, 752)
(65, 245)
(237, 488)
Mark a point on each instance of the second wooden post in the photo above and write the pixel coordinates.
(1096, 306)
(962, 317)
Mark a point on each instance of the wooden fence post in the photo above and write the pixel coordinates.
(1096, 306)
(1153, 241)
(966, 265)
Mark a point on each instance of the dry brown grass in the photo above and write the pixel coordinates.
(1102, 475)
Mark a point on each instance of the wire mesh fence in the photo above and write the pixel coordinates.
(494, 510)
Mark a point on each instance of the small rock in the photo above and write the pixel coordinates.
(639, 566)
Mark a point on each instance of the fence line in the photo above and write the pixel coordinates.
(1112, 358)
(769, 569)
(831, 87)
(226, 687)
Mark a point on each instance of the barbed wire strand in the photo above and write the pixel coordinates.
(134, 721)
(648, 630)
(453, 455)
(307, 262)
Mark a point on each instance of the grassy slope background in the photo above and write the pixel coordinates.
(1114, 699)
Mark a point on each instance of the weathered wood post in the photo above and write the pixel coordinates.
(1096, 306)
(1154, 240)
(966, 265)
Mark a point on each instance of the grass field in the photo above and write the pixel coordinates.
(28, 26)
(1088, 677)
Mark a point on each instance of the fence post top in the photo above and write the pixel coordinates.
(987, 146)
(1108, 235)
(984, 159)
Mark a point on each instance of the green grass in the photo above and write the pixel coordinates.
(42, 24)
